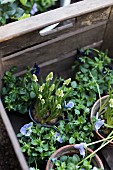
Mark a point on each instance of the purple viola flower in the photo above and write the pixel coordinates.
(69, 105)
(59, 139)
(26, 129)
(98, 123)
(34, 9)
(56, 134)
(81, 148)
(54, 159)
(35, 70)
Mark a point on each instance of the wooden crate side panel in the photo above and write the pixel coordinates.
(55, 48)
(62, 66)
(108, 38)
(13, 138)
(67, 60)
(33, 38)
(50, 17)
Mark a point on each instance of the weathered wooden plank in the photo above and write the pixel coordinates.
(1, 73)
(33, 38)
(37, 22)
(50, 64)
(12, 135)
(107, 153)
(108, 38)
(55, 48)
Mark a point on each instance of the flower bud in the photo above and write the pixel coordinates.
(66, 82)
(35, 78)
(52, 87)
(40, 96)
(58, 106)
(49, 76)
(42, 101)
(111, 102)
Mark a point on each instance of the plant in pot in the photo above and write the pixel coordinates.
(16, 92)
(50, 99)
(37, 143)
(102, 113)
(78, 157)
(72, 157)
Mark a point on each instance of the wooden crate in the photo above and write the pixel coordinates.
(84, 24)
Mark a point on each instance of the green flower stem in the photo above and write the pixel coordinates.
(107, 137)
(99, 141)
(97, 87)
(95, 151)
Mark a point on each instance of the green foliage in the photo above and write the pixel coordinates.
(70, 163)
(83, 94)
(50, 97)
(90, 62)
(75, 131)
(12, 10)
(39, 145)
(16, 91)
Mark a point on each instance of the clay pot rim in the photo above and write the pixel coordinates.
(72, 148)
(91, 115)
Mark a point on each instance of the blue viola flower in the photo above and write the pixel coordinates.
(59, 139)
(81, 147)
(35, 70)
(34, 9)
(54, 159)
(69, 105)
(26, 129)
(98, 123)
(56, 134)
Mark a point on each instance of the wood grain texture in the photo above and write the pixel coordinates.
(18, 28)
(13, 138)
(107, 153)
(33, 38)
(50, 65)
(55, 48)
(108, 37)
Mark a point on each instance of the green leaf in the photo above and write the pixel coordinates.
(74, 84)
(77, 112)
(32, 94)
(6, 1)
(71, 140)
(63, 158)
(24, 16)
(23, 2)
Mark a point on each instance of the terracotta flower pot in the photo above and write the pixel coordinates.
(70, 150)
(94, 111)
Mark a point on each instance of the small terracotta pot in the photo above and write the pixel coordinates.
(70, 150)
(94, 111)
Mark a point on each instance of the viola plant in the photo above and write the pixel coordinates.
(104, 115)
(69, 162)
(81, 160)
(38, 143)
(50, 98)
(16, 92)
(12, 10)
